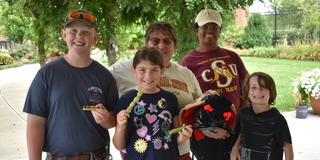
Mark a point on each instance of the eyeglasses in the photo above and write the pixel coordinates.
(210, 27)
(81, 15)
(156, 41)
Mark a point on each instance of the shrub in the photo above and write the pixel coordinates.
(25, 61)
(21, 51)
(231, 36)
(304, 53)
(293, 53)
(263, 52)
(256, 33)
(6, 59)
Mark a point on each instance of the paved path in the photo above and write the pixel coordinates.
(305, 135)
(14, 83)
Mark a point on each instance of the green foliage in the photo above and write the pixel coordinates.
(311, 15)
(25, 61)
(300, 96)
(256, 33)
(22, 50)
(297, 20)
(288, 15)
(113, 16)
(6, 59)
(231, 36)
(128, 39)
(15, 64)
(16, 24)
(180, 13)
(304, 53)
(263, 52)
(293, 53)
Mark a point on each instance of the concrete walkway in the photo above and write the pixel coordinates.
(14, 83)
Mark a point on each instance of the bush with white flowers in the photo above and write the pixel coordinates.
(309, 82)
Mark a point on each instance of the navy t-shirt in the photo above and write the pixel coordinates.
(58, 93)
(149, 124)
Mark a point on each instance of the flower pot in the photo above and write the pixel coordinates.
(315, 103)
(302, 112)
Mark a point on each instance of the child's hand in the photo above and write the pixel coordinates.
(120, 138)
(184, 135)
(122, 118)
(217, 133)
(103, 116)
(235, 155)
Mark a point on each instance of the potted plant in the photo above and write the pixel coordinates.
(309, 82)
(301, 99)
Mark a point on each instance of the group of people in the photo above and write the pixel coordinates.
(152, 91)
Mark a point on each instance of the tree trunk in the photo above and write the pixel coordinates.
(41, 45)
(111, 51)
(41, 34)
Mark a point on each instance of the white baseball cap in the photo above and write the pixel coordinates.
(208, 16)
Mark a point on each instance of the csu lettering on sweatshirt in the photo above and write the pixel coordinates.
(220, 73)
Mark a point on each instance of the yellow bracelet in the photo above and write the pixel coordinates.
(91, 108)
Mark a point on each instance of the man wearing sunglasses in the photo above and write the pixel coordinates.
(216, 69)
(58, 121)
(176, 79)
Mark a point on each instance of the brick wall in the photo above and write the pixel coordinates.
(241, 17)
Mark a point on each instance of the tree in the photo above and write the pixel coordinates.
(129, 38)
(256, 33)
(16, 25)
(106, 12)
(310, 23)
(301, 16)
(180, 13)
(45, 14)
(115, 15)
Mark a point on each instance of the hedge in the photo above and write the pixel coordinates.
(6, 59)
(311, 53)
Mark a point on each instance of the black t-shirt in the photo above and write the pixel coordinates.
(263, 134)
(58, 93)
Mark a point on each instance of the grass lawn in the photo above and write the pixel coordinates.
(283, 72)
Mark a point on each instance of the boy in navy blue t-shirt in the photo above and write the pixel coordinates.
(56, 121)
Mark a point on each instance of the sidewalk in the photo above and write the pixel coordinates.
(305, 135)
(15, 82)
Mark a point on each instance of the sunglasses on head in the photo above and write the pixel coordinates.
(156, 41)
(81, 15)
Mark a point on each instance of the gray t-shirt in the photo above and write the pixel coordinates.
(58, 93)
